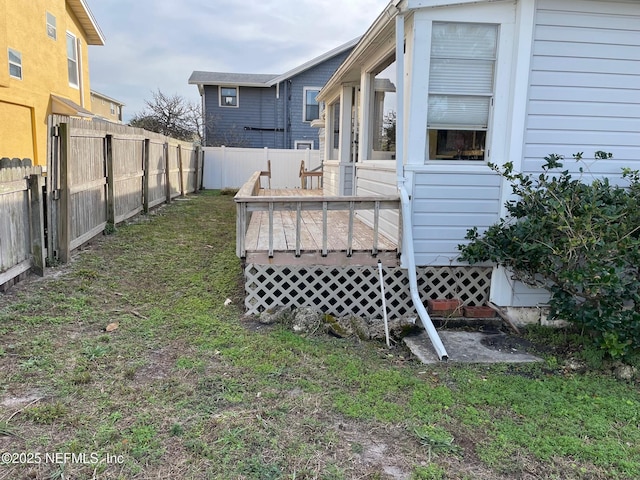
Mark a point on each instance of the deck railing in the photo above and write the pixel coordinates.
(248, 201)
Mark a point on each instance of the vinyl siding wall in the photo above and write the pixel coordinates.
(445, 205)
(257, 108)
(313, 77)
(331, 178)
(584, 92)
(378, 178)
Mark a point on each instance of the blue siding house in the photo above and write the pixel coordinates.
(262, 110)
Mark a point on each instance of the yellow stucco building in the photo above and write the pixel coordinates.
(45, 69)
(106, 107)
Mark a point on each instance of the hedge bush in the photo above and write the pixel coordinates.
(578, 239)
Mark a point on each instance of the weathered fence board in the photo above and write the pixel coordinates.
(128, 176)
(21, 230)
(105, 173)
(156, 178)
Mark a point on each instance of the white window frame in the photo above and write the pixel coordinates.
(52, 30)
(11, 51)
(490, 96)
(71, 37)
(304, 103)
(298, 143)
(221, 103)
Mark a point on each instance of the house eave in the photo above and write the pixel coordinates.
(88, 22)
(349, 70)
(202, 79)
(414, 4)
(382, 27)
(230, 84)
(64, 106)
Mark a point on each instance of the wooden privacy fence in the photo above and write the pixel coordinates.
(21, 220)
(101, 173)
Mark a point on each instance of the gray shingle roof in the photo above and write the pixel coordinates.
(221, 78)
(259, 79)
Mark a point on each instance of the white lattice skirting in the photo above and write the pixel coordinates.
(356, 289)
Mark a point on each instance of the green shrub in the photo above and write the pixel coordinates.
(579, 240)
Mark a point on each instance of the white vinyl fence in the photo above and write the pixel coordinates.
(227, 167)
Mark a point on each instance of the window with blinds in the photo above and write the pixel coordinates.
(461, 83)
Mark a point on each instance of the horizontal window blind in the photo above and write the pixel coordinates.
(461, 75)
(451, 111)
(464, 40)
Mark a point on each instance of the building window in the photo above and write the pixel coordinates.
(228, 96)
(304, 145)
(311, 106)
(461, 84)
(51, 26)
(72, 60)
(113, 109)
(15, 64)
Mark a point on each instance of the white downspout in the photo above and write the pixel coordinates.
(407, 251)
(407, 227)
(384, 304)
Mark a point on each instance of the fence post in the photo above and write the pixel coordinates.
(223, 168)
(181, 170)
(145, 180)
(199, 164)
(167, 172)
(111, 200)
(65, 195)
(36, 215)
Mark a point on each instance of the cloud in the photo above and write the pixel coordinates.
(156, 44)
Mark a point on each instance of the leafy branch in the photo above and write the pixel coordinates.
(578, 239)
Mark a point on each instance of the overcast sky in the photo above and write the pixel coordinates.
(156, 44)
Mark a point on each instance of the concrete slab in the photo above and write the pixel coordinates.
(471, 347)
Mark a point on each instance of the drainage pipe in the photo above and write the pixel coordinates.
(408, 254)
(384, 304)
(407, 227)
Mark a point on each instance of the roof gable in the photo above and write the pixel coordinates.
(316, 61)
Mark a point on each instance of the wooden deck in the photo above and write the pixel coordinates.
(319, 244)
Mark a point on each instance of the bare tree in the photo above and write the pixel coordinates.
(171, 115)
(233, 136)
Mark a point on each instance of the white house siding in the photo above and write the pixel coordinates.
(445, 205)
(584, 92)
(331, 178)
(346, 170)
(378, 178)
